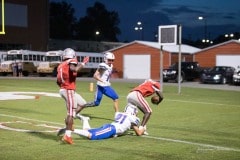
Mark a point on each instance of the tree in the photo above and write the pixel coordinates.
(98, 19)
(62, 20)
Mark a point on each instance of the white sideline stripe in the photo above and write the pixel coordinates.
(151, 137)
(194, 143)
(29, 119)
(219, 104)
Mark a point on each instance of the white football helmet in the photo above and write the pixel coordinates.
(131, 109)
(107, 56)
(69, 53)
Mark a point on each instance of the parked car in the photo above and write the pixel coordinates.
(189, 72)
(236, 77)
(218, 75)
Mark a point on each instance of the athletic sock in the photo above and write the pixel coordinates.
(68, 133)
(86, 125)
(81, 132)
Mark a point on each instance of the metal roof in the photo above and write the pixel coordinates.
(169, 48)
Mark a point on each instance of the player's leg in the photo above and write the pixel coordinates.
(80, 103)
(110, 92)
(69, 98)
(104, 132)
(97, 97)
(82, 132)
(86, 126)
(137, 99)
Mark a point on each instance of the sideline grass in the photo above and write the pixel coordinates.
(198, 124)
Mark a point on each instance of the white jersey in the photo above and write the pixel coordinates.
(123, 122)
(106, 74)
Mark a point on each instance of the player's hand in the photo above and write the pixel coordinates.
(85, 60)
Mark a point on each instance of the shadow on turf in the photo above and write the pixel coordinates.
(45, 135)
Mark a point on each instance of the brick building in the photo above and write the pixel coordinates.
(141, 59)
(227, 53)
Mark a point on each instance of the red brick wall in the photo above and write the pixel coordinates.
(184, 57)
(207, 58)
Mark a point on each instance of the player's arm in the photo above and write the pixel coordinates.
(156, 87)
(138, 130)
(160, 95)
(98, 73)
(74, 67)
(135, 121)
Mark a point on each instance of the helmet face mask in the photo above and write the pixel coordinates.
(131, 109)
(69, 53)
(108, 56)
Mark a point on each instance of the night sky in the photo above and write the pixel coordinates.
(220, 16)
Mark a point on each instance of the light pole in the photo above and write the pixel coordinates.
(139, 28)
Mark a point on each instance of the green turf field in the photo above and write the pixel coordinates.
(199, 124)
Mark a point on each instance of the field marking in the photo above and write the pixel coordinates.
(210, 103)
(194, 143)
(22, 95)
(208, 146)
(29, 119)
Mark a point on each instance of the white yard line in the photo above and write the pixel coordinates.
(209, 103)
(194, 143)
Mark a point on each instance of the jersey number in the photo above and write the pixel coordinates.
(120, 118)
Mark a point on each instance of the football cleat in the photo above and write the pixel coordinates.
(67, 139)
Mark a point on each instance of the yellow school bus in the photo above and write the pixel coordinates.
(51, 61)
(29, 59)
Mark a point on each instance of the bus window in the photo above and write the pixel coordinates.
(93, 59)
(42, 58)
(25, 57)
(18, 57)
(34, 58)
(30, 57)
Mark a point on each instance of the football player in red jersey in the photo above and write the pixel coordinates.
(137, 97)
(66, 80)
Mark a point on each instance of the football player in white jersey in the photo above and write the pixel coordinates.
(123, 121)
(102, 75)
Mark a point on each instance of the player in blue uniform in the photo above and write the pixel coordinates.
(123, 121)
(102, 75)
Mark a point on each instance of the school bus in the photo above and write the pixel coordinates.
(2, 55)
(29, 59)
(51, 61)
(54, 58)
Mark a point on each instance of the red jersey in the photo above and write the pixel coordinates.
(147, 88)
(65, 77)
